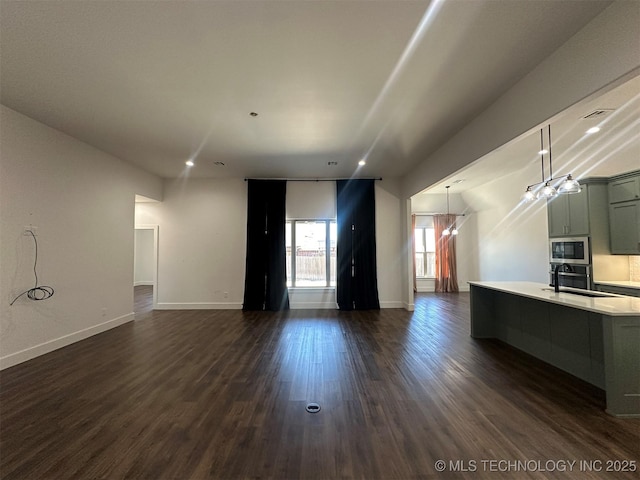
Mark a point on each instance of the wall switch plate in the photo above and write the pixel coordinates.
(28, 229)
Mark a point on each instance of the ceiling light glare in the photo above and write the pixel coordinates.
(362, 163)
(593, 130)
(543, 151)
(189, 163)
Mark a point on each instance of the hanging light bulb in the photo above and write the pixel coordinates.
(446, 232)
(548, 191)
(528, 196)
(569, 186)
(454, 231)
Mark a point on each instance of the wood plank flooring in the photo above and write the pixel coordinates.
(222, 394)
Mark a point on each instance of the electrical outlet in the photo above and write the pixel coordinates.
(28, 229)
(226, 294)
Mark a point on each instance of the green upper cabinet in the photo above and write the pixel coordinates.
(624, 189)
(624, 218)
(624, 213)
(568, 215)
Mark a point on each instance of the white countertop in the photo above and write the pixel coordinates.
(619, 283)
(618, 305)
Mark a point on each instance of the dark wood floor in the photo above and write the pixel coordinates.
(222, 394)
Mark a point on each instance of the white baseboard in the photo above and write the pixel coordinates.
(462, 288)
(392, 304)
(46, 347)
(409, 307)
(313, 305)
(138, 284)
(199, 306)
(238, 306)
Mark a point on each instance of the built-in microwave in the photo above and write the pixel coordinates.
(570, 250)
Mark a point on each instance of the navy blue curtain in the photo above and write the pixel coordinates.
(356, 276)
(265, 284)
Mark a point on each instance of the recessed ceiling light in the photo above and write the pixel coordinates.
(457, 181)
(189, 163)
(593, 130)
(362, 163)
(253, 114)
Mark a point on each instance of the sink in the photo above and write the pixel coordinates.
(589, 294)
(584, 293)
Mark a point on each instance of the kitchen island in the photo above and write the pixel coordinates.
(594, 338)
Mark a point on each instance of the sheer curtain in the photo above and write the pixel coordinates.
(446, 272)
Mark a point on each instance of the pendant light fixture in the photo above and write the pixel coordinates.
(569, 186)
(548, 191)
(449, 231)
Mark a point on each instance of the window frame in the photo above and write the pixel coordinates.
(424, 254)
(291, 224)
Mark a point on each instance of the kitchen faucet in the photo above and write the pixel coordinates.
(556, 271)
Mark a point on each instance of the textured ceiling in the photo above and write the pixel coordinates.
(155, 83)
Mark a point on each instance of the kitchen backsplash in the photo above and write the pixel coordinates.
(634, 268)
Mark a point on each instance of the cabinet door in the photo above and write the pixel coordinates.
(570, 341)
(624, 190)
(536, 329)
(558, 215)
(568, 214)
(624, 222)
(578, 213)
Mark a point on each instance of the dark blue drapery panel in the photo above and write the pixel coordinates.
(356, 276)
(265, 284)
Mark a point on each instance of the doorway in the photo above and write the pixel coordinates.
(145, 270)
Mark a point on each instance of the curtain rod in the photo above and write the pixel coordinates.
(431, 214)
(313, 179)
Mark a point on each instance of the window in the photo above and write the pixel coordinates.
(425, 252)
(311, 253)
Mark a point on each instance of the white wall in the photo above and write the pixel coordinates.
(201, 242)
(143, 258)
(82, 202)
(603, 54)
(511, 240)
(389, 247)
(466, 257)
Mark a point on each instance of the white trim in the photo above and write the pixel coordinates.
(156, 232)
(55, 344)
(313, 305)
(141, 284)
(199, 306)
(392, 304)
(409, 307)
(311, 289)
